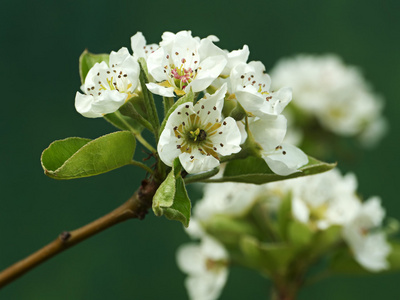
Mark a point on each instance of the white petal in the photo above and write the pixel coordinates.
(251, 101)
(208, 49)
(83, 105)
(200, 163)
(195, 230)
(206, 287)
(300, 210)
(211, 68)
(278, 102)
(229, 140)
(242, 129)
(213, 249)
(116, 58)
(373, 254)
(210, 106)
(166, 147)
(155, 65)
(288, 163)
(160, 90)
(109, 102)
(269, 131)
(374, 210)
(137, 43)
(191, 259)
(91, 75)
(235, 57)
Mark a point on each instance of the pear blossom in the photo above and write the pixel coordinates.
(325, 199)
(198, 134)
(206, 266)
(107, 87)
(335, 94)
(228, 198)
(269, 132)
(182, 63)
(362, 233)
(140, 48)
(251, 87)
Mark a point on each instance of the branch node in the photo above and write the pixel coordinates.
(64, 236)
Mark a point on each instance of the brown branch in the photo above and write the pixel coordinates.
(136, 207)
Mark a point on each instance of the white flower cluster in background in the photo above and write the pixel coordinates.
(335, 94)
(318, 201)
(197, 132)
(330, 199)
(232, 199)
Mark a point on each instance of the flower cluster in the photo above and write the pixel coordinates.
(233, 213)
(336, 95)
(198, 132)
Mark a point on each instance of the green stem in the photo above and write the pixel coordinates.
(145, 143)
(142, 165)
(135, 133)
(168, 103)
(202, 176)
(149, 102)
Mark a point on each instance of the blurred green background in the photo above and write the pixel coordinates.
(40, 45)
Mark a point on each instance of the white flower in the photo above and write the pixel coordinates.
(251, 86)
(269, 131)
(198, 134)
(336, 94)
(364, 238)
(181, 64)
(206, 266)
(108, 87)
(228, 198)
(325, 199)
(140, 48)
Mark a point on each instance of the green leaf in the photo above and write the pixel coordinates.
(270, 258)
(189, 97)
(299, 234)
(323, 240)
(394, 256)
(255, 170)
(229, 230)
(152, 115)
(171, 198)
(87, 60)
(77, 157)
(285, 216)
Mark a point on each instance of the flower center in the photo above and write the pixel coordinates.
(181, 71)
(109, 80)
(182, 77)
(198, 135)
(249, 79)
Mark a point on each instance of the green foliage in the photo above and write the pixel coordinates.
(230, 230)
(78, 157)
(299, 234)
(171, 198)
(87, 60)
(284, 216)
(268, 258)
(127, 119)
(152, 115)
(255, 170)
